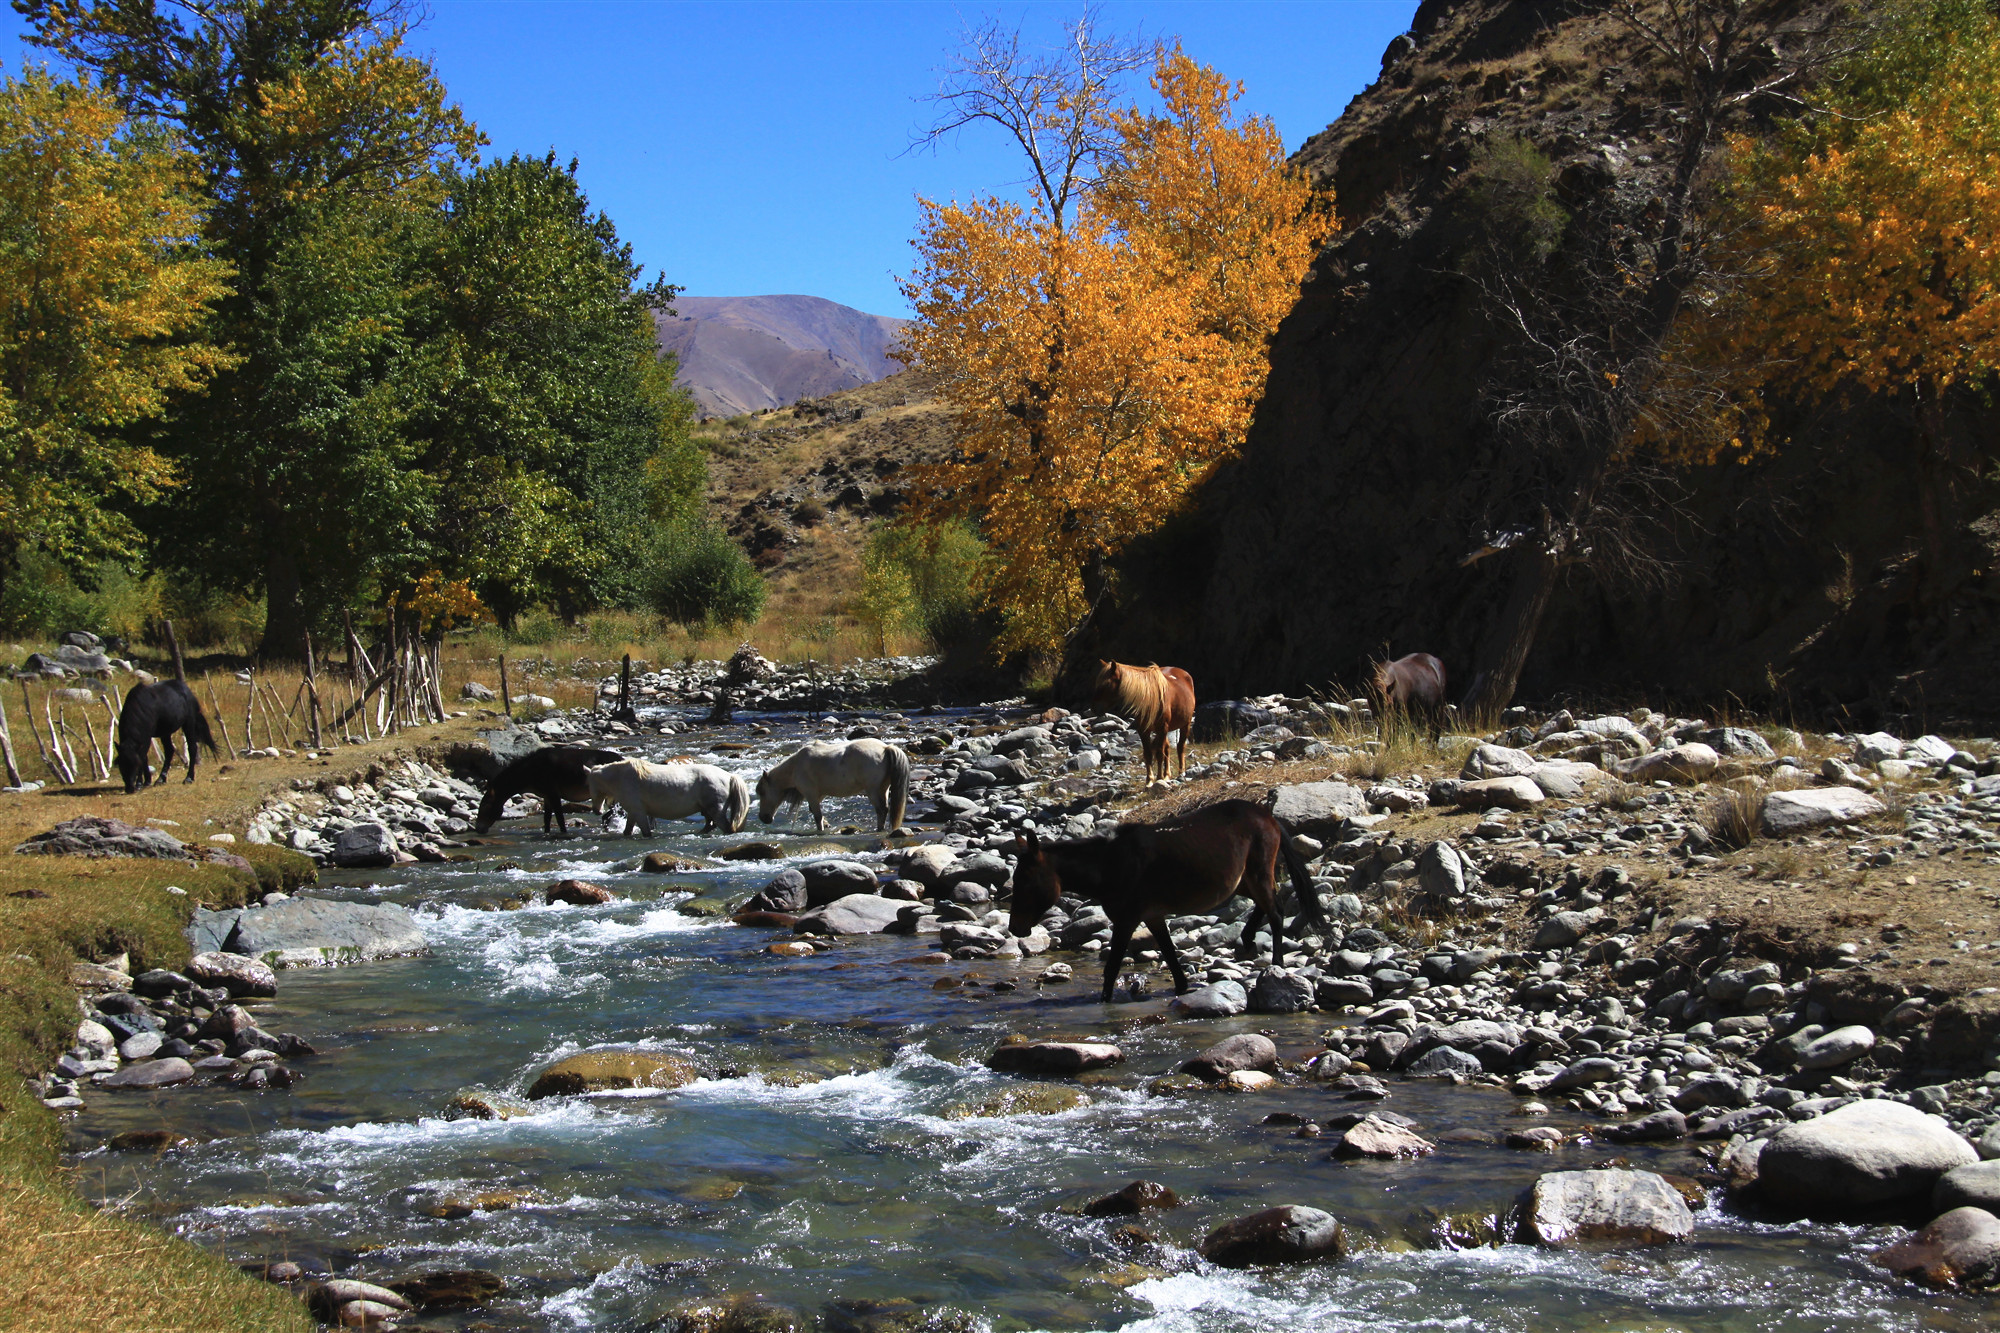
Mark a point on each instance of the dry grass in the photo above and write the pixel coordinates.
(1735, 816)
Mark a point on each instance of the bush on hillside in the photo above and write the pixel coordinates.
(699, 577)
(922, 580)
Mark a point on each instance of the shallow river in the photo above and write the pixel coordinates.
(608, 1212)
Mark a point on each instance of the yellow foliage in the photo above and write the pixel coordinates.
(1872, 248)
(439, 603)
(1099, 366)
(101, 288)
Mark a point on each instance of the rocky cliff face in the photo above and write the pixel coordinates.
(1337, 535)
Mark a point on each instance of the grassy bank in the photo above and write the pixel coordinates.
(63, 1263)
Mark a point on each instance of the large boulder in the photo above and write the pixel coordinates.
(1441, 871)
(1861, 1154)
(1788, 812)
(830, 881)
(93, 835)
(1610, 1207)
(603, 1071)
(320, 932)
(1959, 1249)
(856, 914)
(1507, 793)
(1975, 1185)
(927, 864)
(1279, 991)
(785, 893)
(1497, 761)
(1221, 999)
(1226, 719)
(234, 972)
(1245, 1050)
(364, 846)
(1692, 762)
(1053, 1057)
(1737, 743)
(1288, 1234)
(1317, 809)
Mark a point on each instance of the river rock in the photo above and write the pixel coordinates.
(576, 893)
(1584, 1073)
(601, 1071)
(1737, 743)
(1497, 761)
(1975, 1185)
(1375, 1136)
(1507, 793)
(666, 863)
(983, 940)
(855, 914)
(1789, 812)
(1562, 930)
(1444, 1062)
(1137, 1197)
(1279, 991)
(1441, 871)
(785, 893)
(1220, 999)
(1961, 1248)
(926, 865)
(150, 1074)
(1053, 1057)
(830, 881)
(234, 972)
(363, 846)
(328, 1297)
(315, 932)
(1657, 1127)
(1022, 1099)
(93, 835)
(1336, 992)
(1864, 1153)
(1288, 1234)
(1245, 1050)
(451, 1289)
(1317, 809)
(1692, 762)
(752, 851)
(1609, 1207)
(1839, 1047)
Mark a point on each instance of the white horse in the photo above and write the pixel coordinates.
(839, 768)
(670, 791)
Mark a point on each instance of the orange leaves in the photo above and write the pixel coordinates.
(1099, 366)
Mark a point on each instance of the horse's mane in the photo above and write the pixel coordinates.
(1143, 692)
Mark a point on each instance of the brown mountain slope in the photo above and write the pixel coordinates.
(751, 353)
(799, 486)
(1340, 530)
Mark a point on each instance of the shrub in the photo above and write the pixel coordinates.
(924, 580)
(699, 577)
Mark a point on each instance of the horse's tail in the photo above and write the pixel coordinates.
(736, 808)
(196, 728)
(898, 765)
(1301, 878)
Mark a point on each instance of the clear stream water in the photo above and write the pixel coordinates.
(862, 1185)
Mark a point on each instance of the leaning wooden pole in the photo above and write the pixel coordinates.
(220, 720)
(174, 647)
(7, 748)
(312, 694)
(506, 699)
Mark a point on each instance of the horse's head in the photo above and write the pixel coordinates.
(132, 766)
(1380, 679)
(1104, 686)
(491, 805)
(772, 796)
(1036, 886)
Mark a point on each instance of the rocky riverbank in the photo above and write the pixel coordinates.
(1559, 910)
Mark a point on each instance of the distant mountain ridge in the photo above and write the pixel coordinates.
(747, 353)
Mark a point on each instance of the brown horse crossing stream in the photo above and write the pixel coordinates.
(847, 1155)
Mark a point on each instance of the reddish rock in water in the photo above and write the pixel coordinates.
(578, 894)
(1959, 1249)
(1136, 1197)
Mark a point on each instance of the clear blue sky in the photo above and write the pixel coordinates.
(751, 148)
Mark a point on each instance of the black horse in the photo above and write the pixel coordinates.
(155, 712)
(554, 773)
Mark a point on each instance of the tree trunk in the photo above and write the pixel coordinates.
(284, 608)
(1504, 653)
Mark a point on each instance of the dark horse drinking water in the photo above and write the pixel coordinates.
(155, 712)
(554, 773)
(1149, 872)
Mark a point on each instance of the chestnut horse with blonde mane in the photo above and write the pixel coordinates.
(1158, 699)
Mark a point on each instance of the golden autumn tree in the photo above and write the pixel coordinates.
(1869, 239)
(1103, 344)
(101, 285)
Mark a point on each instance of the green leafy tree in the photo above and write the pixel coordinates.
(320, 139)
(697, 576)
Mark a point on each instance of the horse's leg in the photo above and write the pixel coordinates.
(1114, 955)
(819, 816)
(1250, 924)
(166, 760)
(1158, 926)
(188, 737)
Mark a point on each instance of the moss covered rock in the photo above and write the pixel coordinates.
(603, 1071)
